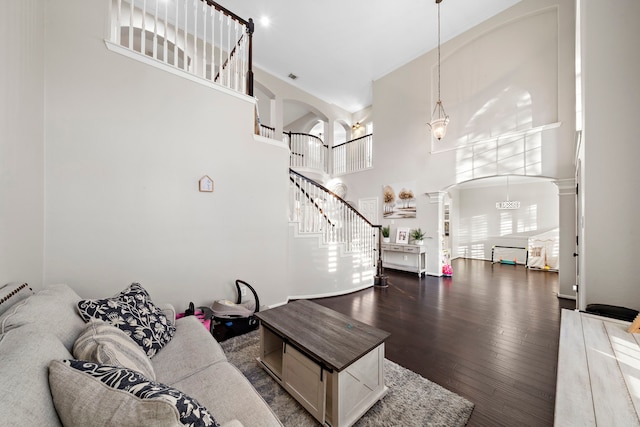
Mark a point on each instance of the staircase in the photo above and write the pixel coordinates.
(333, 247)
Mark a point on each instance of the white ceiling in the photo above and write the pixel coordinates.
(337, 48)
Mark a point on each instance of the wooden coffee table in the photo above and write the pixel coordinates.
(330, 363)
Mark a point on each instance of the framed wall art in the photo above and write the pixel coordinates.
(399, 200)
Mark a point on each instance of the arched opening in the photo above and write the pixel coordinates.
(479, 220)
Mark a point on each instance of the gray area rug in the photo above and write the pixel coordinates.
(411, 400)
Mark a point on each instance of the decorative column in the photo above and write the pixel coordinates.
(277, 117)
(435, 233)
(567, 236)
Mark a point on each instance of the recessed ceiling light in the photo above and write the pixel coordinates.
(265, 21)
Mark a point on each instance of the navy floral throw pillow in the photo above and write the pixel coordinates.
(133, 312)
(190, 411)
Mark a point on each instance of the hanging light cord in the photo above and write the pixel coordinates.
(439, 100)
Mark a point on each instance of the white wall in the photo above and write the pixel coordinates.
(610, 68)
(21, 141)
(126, 146)
(480, 225)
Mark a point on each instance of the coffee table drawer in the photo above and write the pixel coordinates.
(304, 380)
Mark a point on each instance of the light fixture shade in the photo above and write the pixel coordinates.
(439, 127)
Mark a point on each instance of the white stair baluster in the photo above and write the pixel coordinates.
(130, 46)
(185, 64)
(204, 39)
(195, 64)
(175, 38)
(155, 32)
(212, 68)
(143, 34)
(165, 42)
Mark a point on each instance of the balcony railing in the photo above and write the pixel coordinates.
(199, 37)
(353, 156)
(307, 151)
(267, 131)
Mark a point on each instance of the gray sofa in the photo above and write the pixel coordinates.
(43, 327)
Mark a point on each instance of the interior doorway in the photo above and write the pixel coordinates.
(369, 208)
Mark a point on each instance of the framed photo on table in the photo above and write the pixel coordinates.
(402, 235)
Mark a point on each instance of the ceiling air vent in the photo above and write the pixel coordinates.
(292, 76)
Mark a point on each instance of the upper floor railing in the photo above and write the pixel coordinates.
(199, 37)
(353, 156)
(307, 151)
(267, 131)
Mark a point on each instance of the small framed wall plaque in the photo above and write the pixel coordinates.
(205, 184)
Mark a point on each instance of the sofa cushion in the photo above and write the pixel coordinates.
(237, 399)
(25, 354)
(191, 350)
(86, 393)
(12, 293)
(133, 312)
(105, 344)
(53, 308)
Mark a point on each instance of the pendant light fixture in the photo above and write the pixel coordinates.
(439, 118)
(508, 204)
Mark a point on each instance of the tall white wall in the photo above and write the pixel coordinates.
(479, 67)
(610, 68)
(21, 141)
(126, 145)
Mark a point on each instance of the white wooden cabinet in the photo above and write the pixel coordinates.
(405, 257)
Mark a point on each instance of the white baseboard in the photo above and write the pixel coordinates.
(573, 297)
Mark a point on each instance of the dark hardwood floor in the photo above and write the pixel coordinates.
(489, 333)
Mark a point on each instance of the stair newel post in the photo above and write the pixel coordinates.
(380, 280)
(250, 29)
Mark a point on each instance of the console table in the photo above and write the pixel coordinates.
(331, 364)
(405, 257)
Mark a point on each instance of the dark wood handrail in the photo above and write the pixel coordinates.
(322, 187)
(231, 55)
(305, 134)
(353, 140)
(308, 196)
(227, 12)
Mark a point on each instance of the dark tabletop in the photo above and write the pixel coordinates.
(330, 337)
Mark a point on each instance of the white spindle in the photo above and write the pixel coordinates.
(165, 43)
(228, 80)
(155, 32)
(195, 37)
(236, 57)
(130, 25)
(175, 37)
(220, 62)
(186, 38)
(204, 39)
(143, 33)
(212, 68)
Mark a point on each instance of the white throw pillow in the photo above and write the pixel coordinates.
(105, 344)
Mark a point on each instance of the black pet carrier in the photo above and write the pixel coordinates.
(231, 319)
